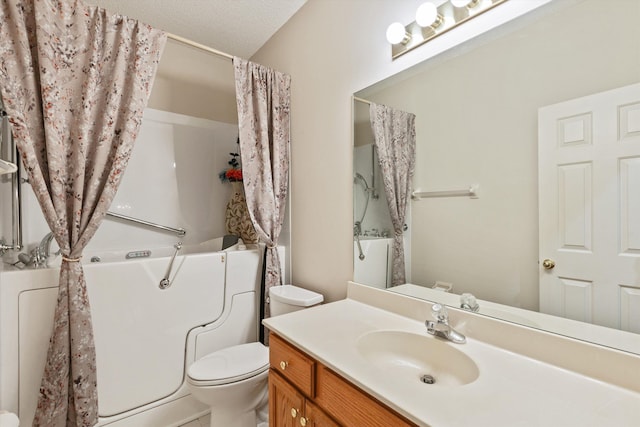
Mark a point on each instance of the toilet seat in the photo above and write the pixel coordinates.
(229, 365)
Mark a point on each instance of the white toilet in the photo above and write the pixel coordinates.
(233, 381)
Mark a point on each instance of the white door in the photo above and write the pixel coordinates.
(589, 206)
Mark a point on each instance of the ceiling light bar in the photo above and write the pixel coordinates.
(432, 21)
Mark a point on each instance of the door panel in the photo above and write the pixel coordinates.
(589, 206)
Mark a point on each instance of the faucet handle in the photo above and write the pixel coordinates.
(469, 302)
(38, 257)
(440, 313)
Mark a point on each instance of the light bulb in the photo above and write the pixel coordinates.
(427, 15)
(396, 33)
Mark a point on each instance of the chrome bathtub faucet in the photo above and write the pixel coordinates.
(39, 255)
(45, 246)
(441, 328)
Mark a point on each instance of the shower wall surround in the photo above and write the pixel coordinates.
(377, 217)
(172, 179)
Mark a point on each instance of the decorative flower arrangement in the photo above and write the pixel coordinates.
(234, 173)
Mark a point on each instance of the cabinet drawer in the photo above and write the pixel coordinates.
(295, 366)
(350, 406)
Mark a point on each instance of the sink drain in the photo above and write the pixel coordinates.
(428, 379)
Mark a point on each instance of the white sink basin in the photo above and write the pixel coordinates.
(411, 357)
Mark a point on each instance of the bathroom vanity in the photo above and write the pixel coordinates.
(366, 358)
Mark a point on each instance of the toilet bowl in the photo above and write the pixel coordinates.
(233, 382)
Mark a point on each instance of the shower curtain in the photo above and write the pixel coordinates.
(75, 81)
(395, 140)
(263, 98)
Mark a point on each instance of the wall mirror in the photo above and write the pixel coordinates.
(567, 73)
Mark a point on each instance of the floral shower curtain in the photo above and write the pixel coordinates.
(263, 98)
(395, 139)
(75, 80)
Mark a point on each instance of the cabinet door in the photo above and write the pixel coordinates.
(316, 418)
(285, 403)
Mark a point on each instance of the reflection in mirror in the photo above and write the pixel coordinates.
(394, 147)
(477, 121)
(372, 223)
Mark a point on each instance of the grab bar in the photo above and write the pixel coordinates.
(361, 254)
(357, 229)
(471, 192)
(181, 232)
(165, 282)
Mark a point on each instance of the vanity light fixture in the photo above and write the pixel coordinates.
(432, 21)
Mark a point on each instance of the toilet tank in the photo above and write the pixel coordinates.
(289, 298)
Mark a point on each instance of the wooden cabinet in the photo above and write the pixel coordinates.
(303, 392)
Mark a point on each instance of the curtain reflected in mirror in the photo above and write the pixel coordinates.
(395, 143)
(476, 110)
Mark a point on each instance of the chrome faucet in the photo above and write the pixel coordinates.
(45, 246)
(39, 255)
(441, 328)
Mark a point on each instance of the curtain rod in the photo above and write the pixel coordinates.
(355, 98)
(199, 46)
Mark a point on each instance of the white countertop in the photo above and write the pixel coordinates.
(511, 390)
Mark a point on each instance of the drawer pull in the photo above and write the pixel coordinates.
(294, 413)
(304, 421)
(283, 365)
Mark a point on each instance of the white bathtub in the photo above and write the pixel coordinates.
(375, 269)
(145, 336)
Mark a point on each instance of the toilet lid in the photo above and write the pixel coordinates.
(294, 295)
(230, 364)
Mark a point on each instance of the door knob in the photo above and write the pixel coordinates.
(548, 264)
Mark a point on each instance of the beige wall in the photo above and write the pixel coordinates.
(333, 48)
(195, 83)
(191, 99)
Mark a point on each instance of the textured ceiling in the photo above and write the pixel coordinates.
(237, 27)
